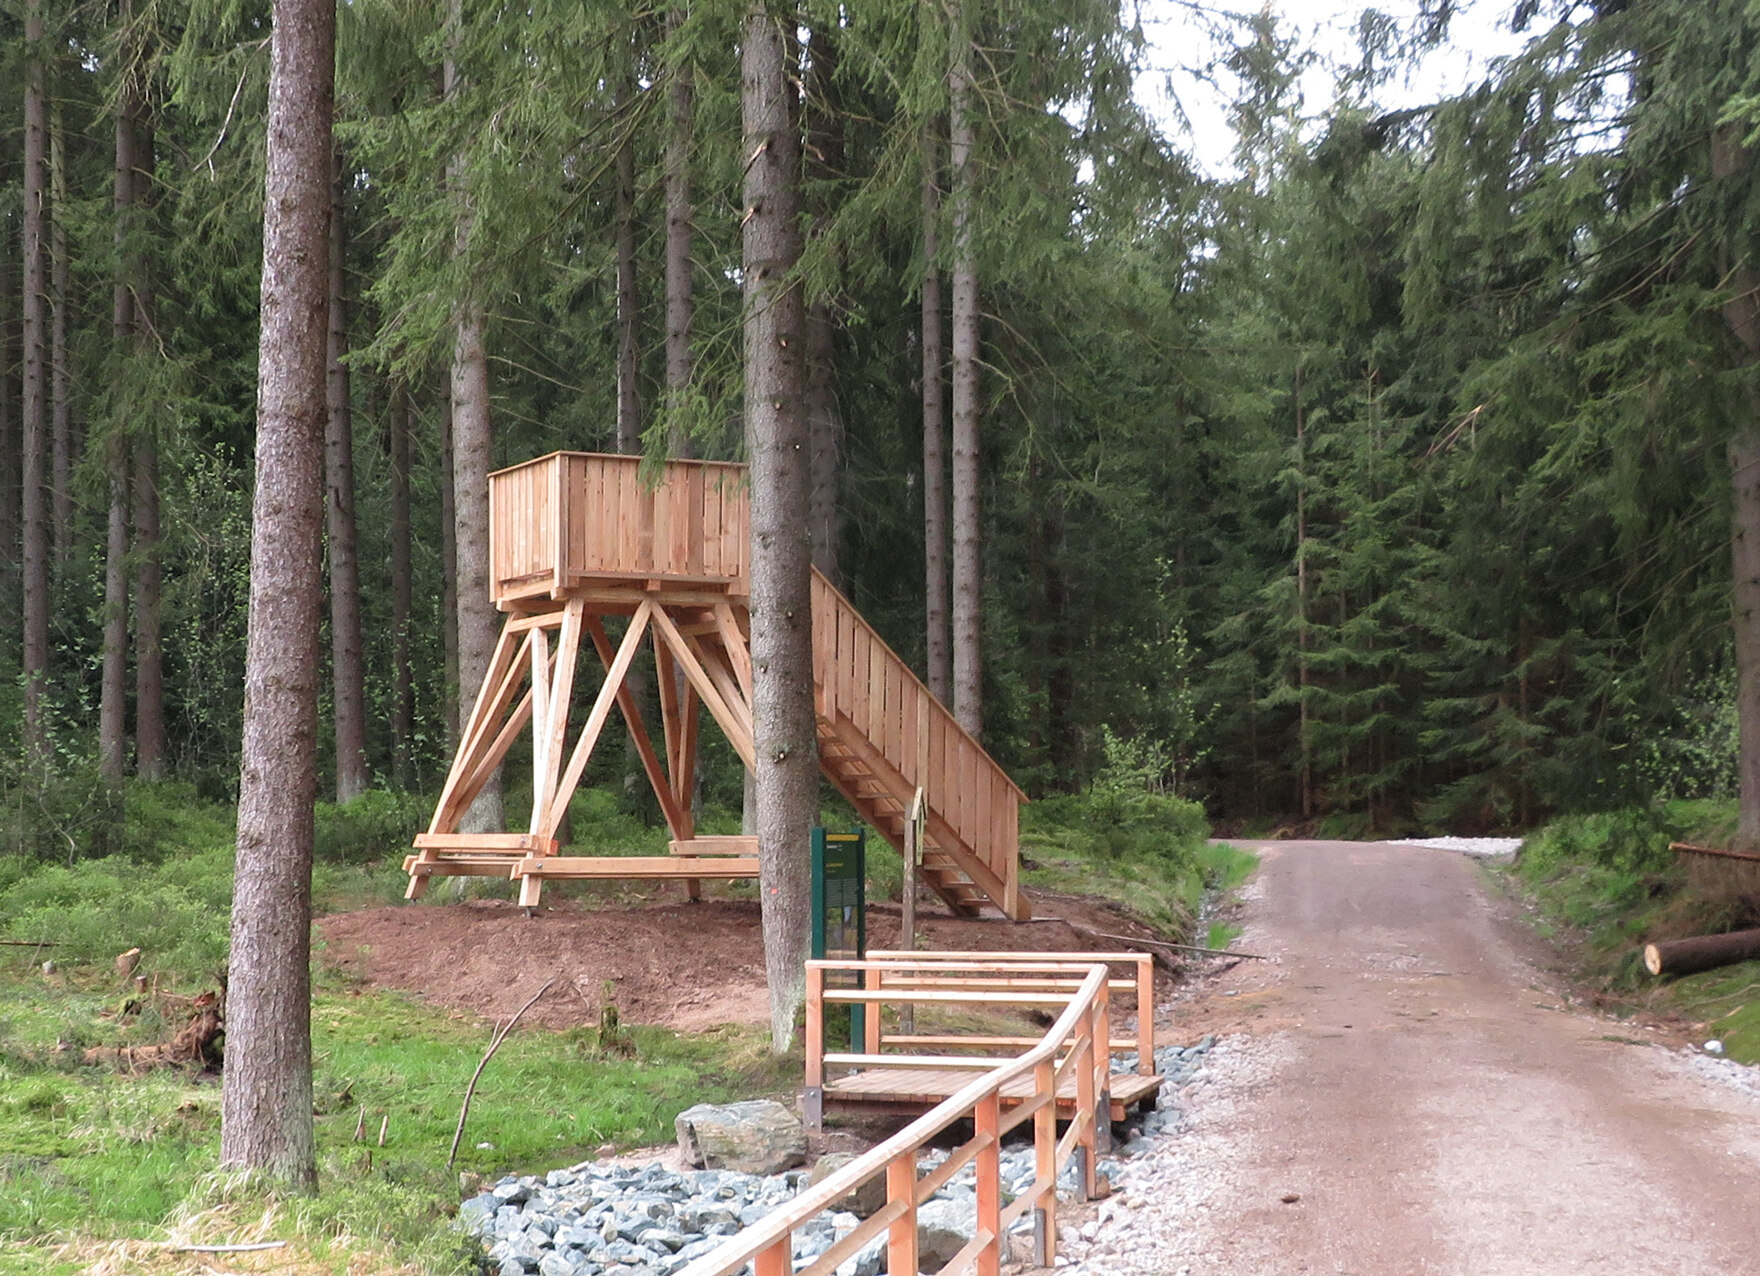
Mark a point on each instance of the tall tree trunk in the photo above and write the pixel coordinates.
(470, 466)
(629, 402)
(968, 673)
(266, 1107)
(10, 475)
(470, 500)
(680, 304)
(1732, 161)
(348, 687)
(113, 680)
(403, 705)
(787, 785)
(824, 424)
(629, 399)
(33, 505)
(149, 657)
(1304, 726)
(934, 435)
(60, 408)
(449, 580)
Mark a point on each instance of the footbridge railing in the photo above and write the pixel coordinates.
(1006, 1094)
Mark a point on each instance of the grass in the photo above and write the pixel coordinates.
(97, 1168)
(1146, 854)
(94, 1164)
(103, 1156)
(1606, 883)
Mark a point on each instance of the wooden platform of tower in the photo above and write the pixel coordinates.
(577, 539)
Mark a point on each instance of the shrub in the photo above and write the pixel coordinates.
(376, 825)
(1607, 873)
(176, 912)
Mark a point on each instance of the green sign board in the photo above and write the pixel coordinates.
(840, 912)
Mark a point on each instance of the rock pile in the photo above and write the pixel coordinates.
(605, 1220)
(609, 1220)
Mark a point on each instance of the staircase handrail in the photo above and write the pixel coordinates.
(768, 1245)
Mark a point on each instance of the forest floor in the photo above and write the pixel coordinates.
(661, 961)
(1411, 1086)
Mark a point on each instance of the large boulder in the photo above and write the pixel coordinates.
(866, 1200)
(758, 1136)
(944, 1228)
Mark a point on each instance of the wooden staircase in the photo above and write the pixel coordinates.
(576, 538)
(882, 736)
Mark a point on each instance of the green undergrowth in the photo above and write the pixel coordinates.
(1606, 883)
(1144, 852)
(86, 1150)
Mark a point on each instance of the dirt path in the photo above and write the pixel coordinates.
(1421, 1088)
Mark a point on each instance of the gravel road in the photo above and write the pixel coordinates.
(1403, 1091)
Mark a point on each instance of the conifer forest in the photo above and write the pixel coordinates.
(1378, 466)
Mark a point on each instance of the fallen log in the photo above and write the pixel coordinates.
(1702, 952)
(194, 1043)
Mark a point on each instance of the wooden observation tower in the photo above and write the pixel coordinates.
(576, 538)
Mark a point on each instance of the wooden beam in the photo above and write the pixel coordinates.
(738, 647)
(583, 749)
(690, 733)
(540, 694)
(503, 675)
(552, 732)
(738, 731)
(677, 821)
(635, 867)
(541, 620)
(715, 663)
(666, 680)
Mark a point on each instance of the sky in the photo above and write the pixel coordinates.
(1180, 47)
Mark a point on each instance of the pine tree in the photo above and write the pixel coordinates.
(787, 776)
(266, 1115)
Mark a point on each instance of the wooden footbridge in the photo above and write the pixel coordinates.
(577, 540)
(1062, 1076)
(906, 1071)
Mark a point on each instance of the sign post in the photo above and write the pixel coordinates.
(840, 914)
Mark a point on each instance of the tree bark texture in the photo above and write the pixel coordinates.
(824, 422)
(629, 399)
(680, 301)
(10, 474)
(113, 678)
(787, 773)
(968, 672)
(266, 1111)
(403, 702)
(1730, 160)
(477, 627)
(348, 679)
(149, 654)
(33, 505)
(477, 620)
(449, 580)
(939, 658)
(60, 385)
(149, 648)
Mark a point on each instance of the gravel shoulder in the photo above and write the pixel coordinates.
(1403, 1089)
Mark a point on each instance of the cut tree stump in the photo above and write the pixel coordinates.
(1702, 952)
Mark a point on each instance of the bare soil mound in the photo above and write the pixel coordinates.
(678, 965)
